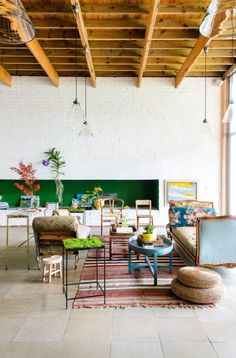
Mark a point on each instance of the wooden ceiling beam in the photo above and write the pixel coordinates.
(148, 38)
(190, 60)
(37, 51)
(203, 41)
(84, 40)
(230, 71)
(5, 76)
(115, 24)
(116, 8)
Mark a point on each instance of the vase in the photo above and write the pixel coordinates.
(35, 201)
(98, 203)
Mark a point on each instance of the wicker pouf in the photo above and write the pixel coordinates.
(198, 295)
(198, 277)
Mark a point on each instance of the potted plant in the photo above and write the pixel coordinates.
(28, 186)
(148, 233)
(56, 162)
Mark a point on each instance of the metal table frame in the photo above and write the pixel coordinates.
(65, 283)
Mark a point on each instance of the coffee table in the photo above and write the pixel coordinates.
(154, 252)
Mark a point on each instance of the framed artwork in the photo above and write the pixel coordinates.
(180, 190)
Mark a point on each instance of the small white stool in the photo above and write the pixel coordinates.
(51, 267)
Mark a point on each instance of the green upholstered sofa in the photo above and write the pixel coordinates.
(206, 239)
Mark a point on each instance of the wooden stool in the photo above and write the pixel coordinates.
(51, 267)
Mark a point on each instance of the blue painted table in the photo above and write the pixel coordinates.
(155, 252)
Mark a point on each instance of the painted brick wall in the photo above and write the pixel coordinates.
(152, 132)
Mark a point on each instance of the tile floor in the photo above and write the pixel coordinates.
(34, 322)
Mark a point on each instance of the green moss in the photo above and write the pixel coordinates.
(79, 210)
(73, 244)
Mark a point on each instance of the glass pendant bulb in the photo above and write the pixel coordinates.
(76, 112)
(15, 24)
(85, 130)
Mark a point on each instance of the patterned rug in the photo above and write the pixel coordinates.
(128, 290)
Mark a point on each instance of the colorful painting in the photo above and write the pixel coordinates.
(180, 190)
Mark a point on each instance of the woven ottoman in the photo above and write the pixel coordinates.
(198, 285)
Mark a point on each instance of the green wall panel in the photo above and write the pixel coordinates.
(128, 190)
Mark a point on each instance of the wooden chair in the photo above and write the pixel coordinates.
(111, 211)
(147, 205)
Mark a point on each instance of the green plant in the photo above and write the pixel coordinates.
(56, 162)
(148, 229)
(92, 195)
(123, 221)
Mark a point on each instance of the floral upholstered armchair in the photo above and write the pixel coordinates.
(205, 238)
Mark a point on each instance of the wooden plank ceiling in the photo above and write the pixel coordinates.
(125, 38)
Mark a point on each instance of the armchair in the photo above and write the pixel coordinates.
(49, 232)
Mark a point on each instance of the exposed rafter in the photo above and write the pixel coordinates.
(203, 41)
(230, 71)
(5, 76)
(84, 40)
(43, 60)
(148, 38)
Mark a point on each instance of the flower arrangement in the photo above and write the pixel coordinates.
(27, 175)
(92, 195)
(56, 162)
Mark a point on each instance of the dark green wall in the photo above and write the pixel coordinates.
(129, 190)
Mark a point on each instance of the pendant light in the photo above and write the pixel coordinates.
(15, 24)
(230, 112)
(205, 121)
(85, 128)
(76, 112)
(216, 6)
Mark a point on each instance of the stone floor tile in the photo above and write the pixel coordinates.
(134, 329)
(136, 349)
(219, 329)
(180, 328)
(80, 349)
(43, 327)
(88, 329)
(30, 350)
(188, 349)
(225, 350)
(173, 312)
(9, 327)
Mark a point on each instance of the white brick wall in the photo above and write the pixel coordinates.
(152, 132)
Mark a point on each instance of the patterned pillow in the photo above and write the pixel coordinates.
(182, 216)
(190, 203)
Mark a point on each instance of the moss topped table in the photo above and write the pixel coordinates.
(75, 245)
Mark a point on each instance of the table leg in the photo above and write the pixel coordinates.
(63, 270)
(66, 285)
(170, 264)
(155, 269)
(7, 240)
(104, 273)
(130, 260)
(110, 248)
(97, 269)
(28, 239)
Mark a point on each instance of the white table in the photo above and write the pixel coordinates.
(22, 214)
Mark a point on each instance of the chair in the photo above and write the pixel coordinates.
(49, 231)
(144, 205)
(111, 211)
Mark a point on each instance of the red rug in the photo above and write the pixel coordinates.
(128, 290)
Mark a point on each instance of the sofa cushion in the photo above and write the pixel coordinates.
(190, 204)
(187, 236)
(187, 216)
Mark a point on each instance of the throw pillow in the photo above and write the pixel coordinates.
(181, 216)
